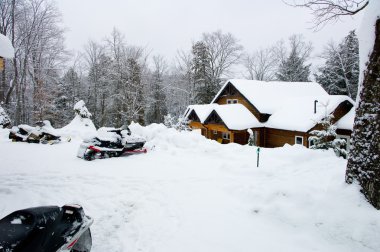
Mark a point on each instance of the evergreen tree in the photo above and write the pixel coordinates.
(340, 74)
(325, 138)
(293, 68)
(157, 108)
(5, 121)
(205, 88)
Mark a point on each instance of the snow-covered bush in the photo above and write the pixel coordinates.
(169, 121)
(182, 124)
(81, 110)
(5, 121)
(326, 138)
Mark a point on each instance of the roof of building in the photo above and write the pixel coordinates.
(268, 97)
(6, 48)
(237, 117)
(347, 121)
(297, 114)
(202, 111)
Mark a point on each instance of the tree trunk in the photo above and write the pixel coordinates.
(364, 159)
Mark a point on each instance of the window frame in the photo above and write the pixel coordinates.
(226, 136)
(295, 140)
(215, 132)
(235, 101)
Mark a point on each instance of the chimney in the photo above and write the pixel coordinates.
(315, 106)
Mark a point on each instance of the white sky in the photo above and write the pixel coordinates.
(164, 26)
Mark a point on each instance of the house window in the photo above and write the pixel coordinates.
(299, 140)
(215, 132)
(311, 142)
(226, 135)
(232, 101)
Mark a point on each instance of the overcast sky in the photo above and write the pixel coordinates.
(164, 26)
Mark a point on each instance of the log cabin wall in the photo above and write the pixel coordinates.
(241, 137)
(196, 125)
(278, 138)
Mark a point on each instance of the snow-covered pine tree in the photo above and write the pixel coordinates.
(157, 107)
(81, 110)
(325, 138)
(169, 121)
(204, 87)
(5, 121)
(340, 74)
(293, 68)
(182, 124)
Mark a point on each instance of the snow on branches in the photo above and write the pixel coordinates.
(4, 118)
(326, 138)
(81, 110)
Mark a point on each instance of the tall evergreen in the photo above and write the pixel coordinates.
(340, 74)
(205, 88)
(157, 109)
(293, 68)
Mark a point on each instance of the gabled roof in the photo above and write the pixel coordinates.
(202, 111)
(297, 114)
(6, 48)
(347, 121)
(236, 117)
(268, 97)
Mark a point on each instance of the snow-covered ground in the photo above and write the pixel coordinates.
(192, 194)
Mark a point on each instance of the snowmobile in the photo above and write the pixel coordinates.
(47, 228)
(42, 133)
(111, 142)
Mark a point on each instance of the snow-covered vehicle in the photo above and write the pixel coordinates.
(42, 133)
(48, 228)
(111, 142)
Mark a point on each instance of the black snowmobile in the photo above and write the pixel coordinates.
(111, 142)
(46, 229)
(42, 133)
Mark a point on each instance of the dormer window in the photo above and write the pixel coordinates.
(232, 101)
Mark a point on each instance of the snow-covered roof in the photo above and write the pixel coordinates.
(268, 97)
(297, 114)
(202, 111)
(347, 121)
(6, 48)
(237, 117)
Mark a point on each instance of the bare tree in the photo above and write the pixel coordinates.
(224, 52)
(260, 65)
(325, 11)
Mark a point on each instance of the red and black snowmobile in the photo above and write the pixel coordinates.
(111, 142)
(48, 228)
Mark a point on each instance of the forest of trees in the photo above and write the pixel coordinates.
(121, 82)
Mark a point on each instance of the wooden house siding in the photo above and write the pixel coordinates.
(196, 125)
(278, 138)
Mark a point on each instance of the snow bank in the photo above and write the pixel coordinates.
(78, 127)
(160, 137)
(192, 194)
(6, 48)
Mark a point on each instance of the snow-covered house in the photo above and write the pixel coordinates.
(277, 112)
